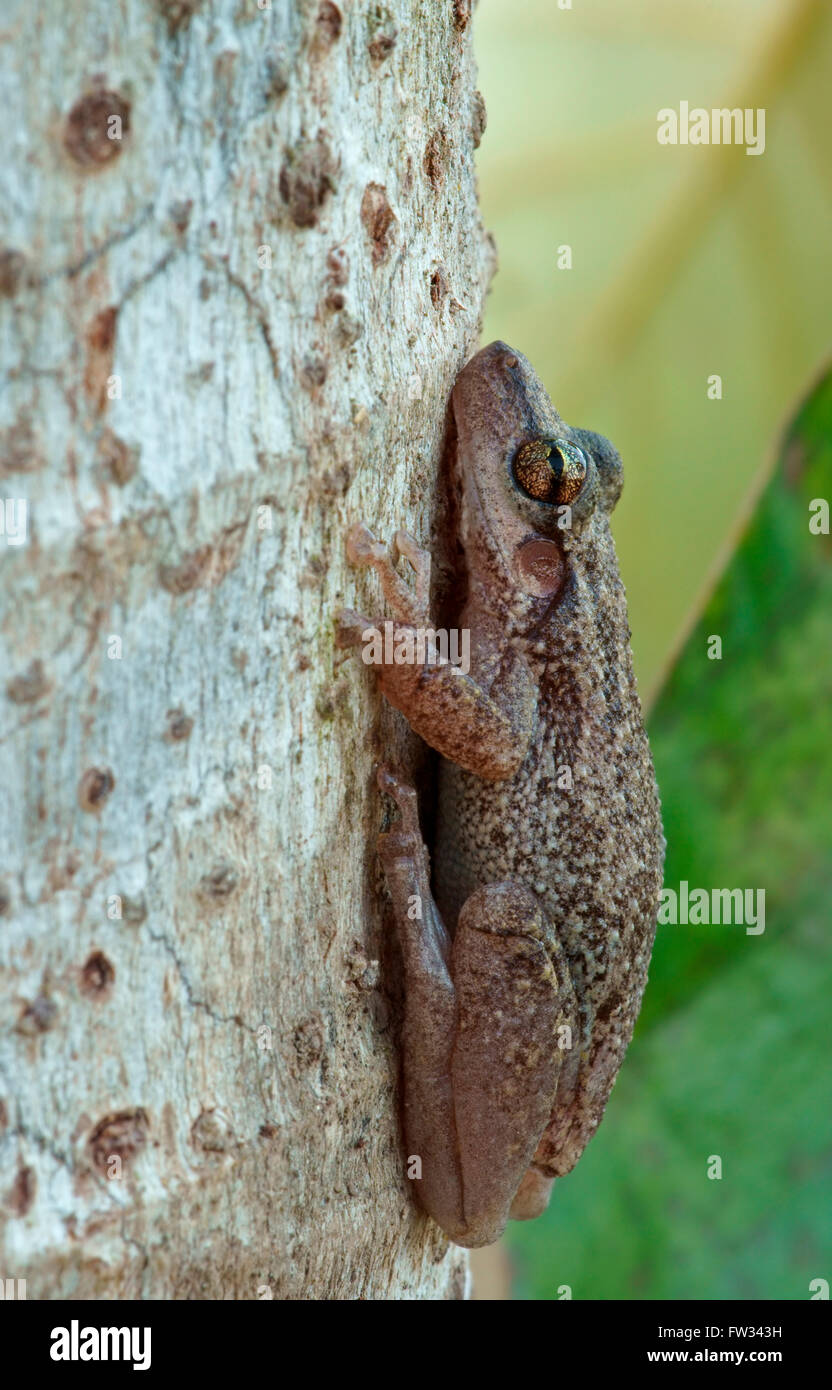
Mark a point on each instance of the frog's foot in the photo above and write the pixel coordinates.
(350, 628)
(419, 560)
(532, 1196)
(403, 843)
(408, 605)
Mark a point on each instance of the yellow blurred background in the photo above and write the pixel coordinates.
(687, 261)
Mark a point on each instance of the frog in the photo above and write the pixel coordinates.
(526, 928)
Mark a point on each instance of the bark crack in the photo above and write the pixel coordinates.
(161, 940)
(95, 253)
(257, 309)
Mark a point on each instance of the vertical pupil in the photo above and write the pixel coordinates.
(550, 470)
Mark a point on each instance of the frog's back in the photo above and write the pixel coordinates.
(579, 825)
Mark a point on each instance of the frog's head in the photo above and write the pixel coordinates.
(533, 491)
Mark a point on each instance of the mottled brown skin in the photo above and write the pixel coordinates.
(526, 968)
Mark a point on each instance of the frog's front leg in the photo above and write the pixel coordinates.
(481, 1057)
(364, 549)
(487, 732)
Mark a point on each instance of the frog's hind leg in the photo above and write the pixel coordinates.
(429, 1012)
(511, 1002)
(480, 1040)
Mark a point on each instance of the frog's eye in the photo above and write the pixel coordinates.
(550, 470)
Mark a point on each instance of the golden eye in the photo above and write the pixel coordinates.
(550, 470)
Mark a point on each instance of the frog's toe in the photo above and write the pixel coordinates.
(532, 1196)
(362, 546)
(350, 628)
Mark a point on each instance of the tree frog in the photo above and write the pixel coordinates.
(526, 952)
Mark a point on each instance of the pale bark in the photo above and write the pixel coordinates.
(228, 334)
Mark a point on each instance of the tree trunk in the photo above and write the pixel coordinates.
(240, 266)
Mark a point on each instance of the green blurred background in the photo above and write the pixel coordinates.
(689, 261)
